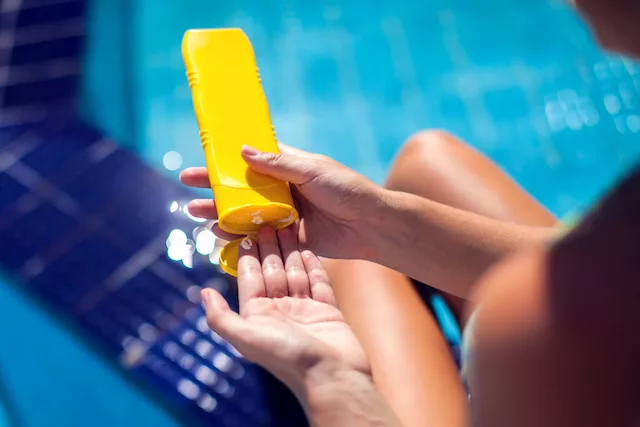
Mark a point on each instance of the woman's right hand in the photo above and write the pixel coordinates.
(335, 203)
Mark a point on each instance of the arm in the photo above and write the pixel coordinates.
(443, 246)
(346, 216)
(338, 396)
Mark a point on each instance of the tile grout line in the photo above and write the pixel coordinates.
(405, 70)
(351, 89)
(480, 120)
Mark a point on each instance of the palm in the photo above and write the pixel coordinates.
(288, 312)
(304, 324)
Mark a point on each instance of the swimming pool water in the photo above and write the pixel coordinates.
(353, 79)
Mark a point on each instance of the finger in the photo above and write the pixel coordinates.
(224, 321)
(301, 203)
(318, 279)
(304, 212)
(221, 234)
(285, 167)
(297, 278)
(206, 208)
(203, 208)
(275, 278)
(195, 177)
(250, 278)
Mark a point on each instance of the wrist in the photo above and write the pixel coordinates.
(334, 394)
(324, 386)
(386, 225)
(324, 374)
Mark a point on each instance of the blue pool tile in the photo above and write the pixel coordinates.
(36, 12)
(84, 268)
(56, 154)
(11, 191)
(33, 234)
(34, 55)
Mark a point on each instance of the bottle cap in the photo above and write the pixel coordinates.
(229, 257)
(244, 211)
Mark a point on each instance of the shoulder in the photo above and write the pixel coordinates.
(554, 336)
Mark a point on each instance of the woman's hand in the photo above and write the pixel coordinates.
(335, 203)
(289, 321)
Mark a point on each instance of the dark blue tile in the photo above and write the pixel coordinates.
(55, 155)
(143, 195)
(138, 309)
(155, 290)
(33, 234)
(37, 54)
(175, 384)
(196, 379)
(9, 133)
(11, 191)
(41, 92)
(84, 268)
(158, 373)
(39, 12)
(68, 132)
(43, 226)
(138, 227)
(14, 250)
(106, 182)
(145, 202)
(57, 286)
(105, 329)
(128, 320)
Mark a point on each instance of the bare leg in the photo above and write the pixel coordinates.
(442, 168)
(412, 364)
(411, 361)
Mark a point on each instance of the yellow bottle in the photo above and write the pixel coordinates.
(232, 111)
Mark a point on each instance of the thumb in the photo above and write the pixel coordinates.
(296, 169)
(225, 322)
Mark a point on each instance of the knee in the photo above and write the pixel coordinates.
(424, 155)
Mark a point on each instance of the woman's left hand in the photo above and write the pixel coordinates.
(289, 321)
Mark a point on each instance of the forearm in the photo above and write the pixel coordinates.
(333, 396)
(445, 247)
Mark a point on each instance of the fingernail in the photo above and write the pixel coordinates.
(250, 151)
(206, 299)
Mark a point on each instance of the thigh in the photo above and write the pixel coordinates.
(412, 364)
